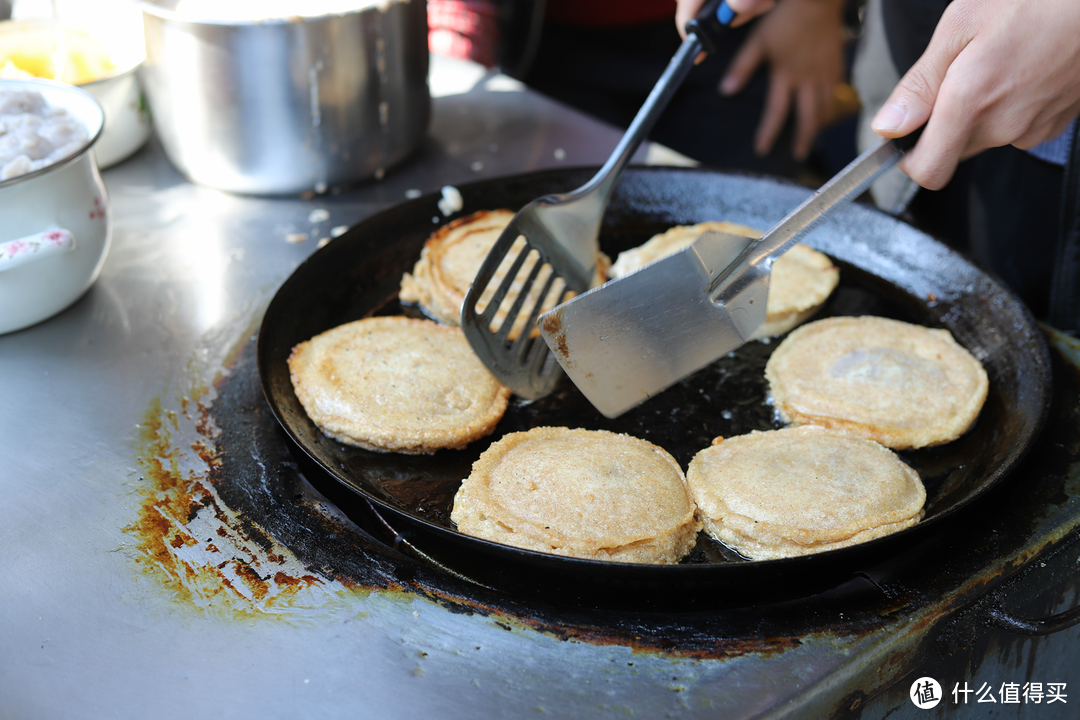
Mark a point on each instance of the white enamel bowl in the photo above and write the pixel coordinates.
(54, 222)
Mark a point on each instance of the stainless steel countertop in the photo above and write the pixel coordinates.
(87, 630)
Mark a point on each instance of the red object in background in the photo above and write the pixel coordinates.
(465, 29)
(609, 13)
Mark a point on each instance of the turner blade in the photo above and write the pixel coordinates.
(631, 338)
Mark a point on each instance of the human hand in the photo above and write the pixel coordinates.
(996, 72)
(745, 11)
(802, 41)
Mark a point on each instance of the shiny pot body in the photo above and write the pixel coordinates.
(288, 106)
(54, 222)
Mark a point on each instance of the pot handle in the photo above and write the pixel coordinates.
(999, 615)
(1005, 620)
(31, 248)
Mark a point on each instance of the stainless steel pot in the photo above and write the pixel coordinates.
(291, 105)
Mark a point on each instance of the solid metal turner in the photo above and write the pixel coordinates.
(549, 250)
(631, 338)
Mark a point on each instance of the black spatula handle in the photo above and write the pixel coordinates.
(711, 22)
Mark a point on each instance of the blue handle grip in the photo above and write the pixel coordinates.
(725, 14)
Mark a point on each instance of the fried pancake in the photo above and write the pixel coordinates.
(803, 490)
(581, 493)
(802, 278)
(395, 384)
(450, 260)
(904, 385)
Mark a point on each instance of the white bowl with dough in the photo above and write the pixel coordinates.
(54, 220)
(106, 66)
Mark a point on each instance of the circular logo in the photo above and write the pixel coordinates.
(925, 693)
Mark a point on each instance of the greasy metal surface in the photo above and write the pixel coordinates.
(887, 268)
(134, 430)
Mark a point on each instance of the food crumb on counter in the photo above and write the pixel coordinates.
(413, 193)
(560, 154)
(451, 201)
(477, 166)
(322, 242)
(318, 215)
(295, 238)
(339, 230)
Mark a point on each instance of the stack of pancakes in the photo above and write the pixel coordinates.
(452, 256)
(396, 384)
(582, 493)
(802, 490)
(904, 385)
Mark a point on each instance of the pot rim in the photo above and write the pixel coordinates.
(94, 131)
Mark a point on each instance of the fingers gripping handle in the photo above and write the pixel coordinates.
(907, 142)
(711, 23)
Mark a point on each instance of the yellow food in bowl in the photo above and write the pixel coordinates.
(42, 50)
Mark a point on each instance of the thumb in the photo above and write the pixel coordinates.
(908, 107)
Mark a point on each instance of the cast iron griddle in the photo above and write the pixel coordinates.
(887, 268)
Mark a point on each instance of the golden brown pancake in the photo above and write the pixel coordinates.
(396, 384)
(802, 278)
(450, 260)
(582, 493)
(803, 490)
(904, 385)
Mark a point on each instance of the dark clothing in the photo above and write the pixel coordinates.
(608, 73)
(909, 25)
(1065, 286)
(1004, 207)
(605, 13)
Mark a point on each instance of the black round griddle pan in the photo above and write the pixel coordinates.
(887, 268)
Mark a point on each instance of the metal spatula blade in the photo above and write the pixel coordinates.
(633, 337)
(640, 335)
(549, 250)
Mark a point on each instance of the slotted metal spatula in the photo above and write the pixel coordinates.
(549, 250)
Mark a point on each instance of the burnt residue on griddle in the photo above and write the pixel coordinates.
(188, 538)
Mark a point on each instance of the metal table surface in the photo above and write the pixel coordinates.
(118, 600)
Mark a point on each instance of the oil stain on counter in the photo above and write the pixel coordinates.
(197, 545)
(208, 553)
